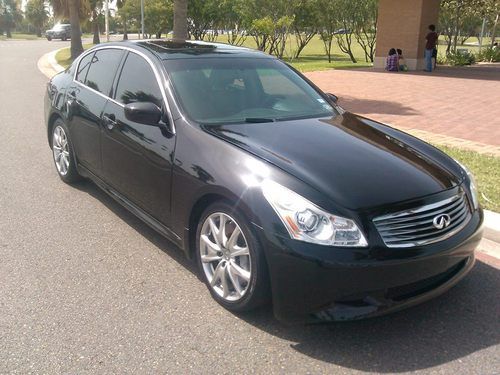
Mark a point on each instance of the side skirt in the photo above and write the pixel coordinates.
(139, 212)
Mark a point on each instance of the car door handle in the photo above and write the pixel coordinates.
(109, 121)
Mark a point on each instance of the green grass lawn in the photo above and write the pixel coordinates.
(63, 56)
(21, 36)
(486, 169)
(312, 57)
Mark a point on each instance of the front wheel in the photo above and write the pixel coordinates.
(49, 38)
(62, 152)
(230, 259)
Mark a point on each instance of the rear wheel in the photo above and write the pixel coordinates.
(62, 152)
(64, 38)
(230, 259)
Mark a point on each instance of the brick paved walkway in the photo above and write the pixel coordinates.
(454, 106)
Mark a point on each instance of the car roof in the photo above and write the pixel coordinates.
(166, 49)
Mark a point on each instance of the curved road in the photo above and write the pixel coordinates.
(86, 287)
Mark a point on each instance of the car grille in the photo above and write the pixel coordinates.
(421, 225)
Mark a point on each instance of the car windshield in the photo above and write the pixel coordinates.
(60, 27)
(216, 90)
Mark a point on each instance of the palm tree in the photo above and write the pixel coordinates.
(180, 19)
(124, 16)
(74, 10)
(96, 6)
(36, 13)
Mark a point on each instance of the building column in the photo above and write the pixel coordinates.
(404, 24)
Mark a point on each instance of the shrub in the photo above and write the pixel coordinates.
(489, 54)
(460, 58)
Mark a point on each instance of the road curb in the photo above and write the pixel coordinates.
(48, 65)
(492, 226)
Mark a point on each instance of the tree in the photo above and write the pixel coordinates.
(9, 15)
(365, 26)
(305, 23)
(203, 15)
(75, 10)
(37, 15)
(180, 19)
(463, 17)
(157, 15)
(123, 16)
(96, 6)
(328, 25)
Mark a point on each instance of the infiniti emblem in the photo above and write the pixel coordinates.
(441, 221)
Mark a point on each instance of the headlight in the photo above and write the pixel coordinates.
(307, 222)
(472, 185)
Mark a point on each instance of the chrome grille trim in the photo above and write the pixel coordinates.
(414, 227)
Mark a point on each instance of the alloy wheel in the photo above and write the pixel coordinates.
(60, 149)
(225, 256)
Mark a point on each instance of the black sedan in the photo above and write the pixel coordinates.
(277, 192)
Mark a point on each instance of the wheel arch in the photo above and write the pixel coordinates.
(50, 125)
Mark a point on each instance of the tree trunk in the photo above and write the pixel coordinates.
(38, 32)
(95, 27)
(125, 34)
(180, 20)
(9, 34)
(76, 35)
(494, 30)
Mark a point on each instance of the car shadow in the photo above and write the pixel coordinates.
(138, 225)
(461, 322)
(371, 106)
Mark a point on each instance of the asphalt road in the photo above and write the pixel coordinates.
(86, 287)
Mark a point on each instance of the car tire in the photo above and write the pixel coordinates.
(63, 154)
(49, 38)
(64, 38)
(237, 282)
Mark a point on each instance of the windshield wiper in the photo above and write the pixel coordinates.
(259, 119)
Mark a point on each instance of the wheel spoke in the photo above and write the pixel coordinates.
(244, 274)
(217, 274)
(211, 247)
(215, 231)
(210, 258)
(239, 251)
(225, 285)
(234, 280)
(222, 230)
(231, 243)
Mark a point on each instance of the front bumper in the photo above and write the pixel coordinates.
(313, 283)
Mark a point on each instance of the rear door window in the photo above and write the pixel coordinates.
(102, 70)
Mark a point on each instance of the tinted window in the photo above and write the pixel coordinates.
(137, 82)
(102, 70)
(239, 90)
(83, 68)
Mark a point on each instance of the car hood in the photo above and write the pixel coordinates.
(348, 158)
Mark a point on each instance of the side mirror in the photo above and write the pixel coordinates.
(333, 98)
(145, 113)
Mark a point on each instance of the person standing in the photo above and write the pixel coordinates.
(431, 43)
